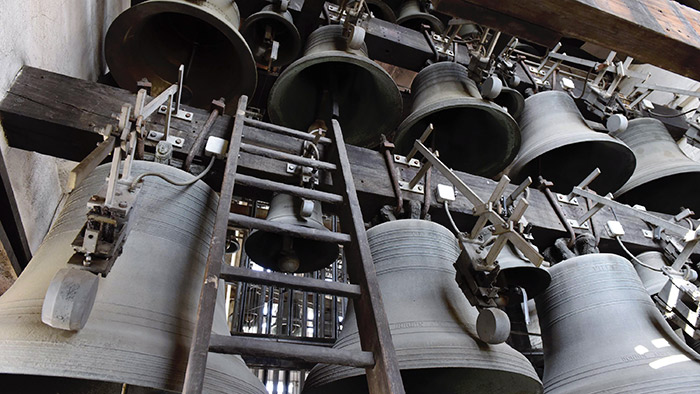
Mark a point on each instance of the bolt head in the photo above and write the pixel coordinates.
(122, 204)
(178, 141)
(188, 115)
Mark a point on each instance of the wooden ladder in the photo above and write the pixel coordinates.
(377, 356)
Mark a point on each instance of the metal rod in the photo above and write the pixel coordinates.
(420, 174)
(426, 133)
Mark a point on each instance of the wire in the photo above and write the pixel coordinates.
(636, 260)
(172, 181)
(673, 116)
(449, 216)
(585, 83)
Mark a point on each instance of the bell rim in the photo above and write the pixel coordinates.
(275, 100)
(433, 21)
(123, 23)
(290, 27)
(536, 279)
(405, 128)
(257, 236)
(689, 175)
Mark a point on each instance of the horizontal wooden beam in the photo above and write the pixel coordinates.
(660, 32)
(65, 113)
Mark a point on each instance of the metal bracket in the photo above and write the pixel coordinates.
(415, 189)
(402, 160)
(575, 224)
(158, 136)
(566, 200)
(177, 111)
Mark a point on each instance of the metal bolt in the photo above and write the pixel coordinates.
(188, 115)
(178, 140)
(152, 134)
(163, 107)
(122, 204)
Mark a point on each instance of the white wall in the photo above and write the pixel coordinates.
(63, 36)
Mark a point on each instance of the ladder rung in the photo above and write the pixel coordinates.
(295, 159)
(238, 220)
(298, 191)
(269, 347)
(229, 274)
(284, 130)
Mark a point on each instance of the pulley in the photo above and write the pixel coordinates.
(153, 38)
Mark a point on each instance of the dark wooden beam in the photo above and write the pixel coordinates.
(12, 234)
(660, 32)
(66, 113)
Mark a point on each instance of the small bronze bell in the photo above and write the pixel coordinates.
(286, 253)
(412, 14)
(272, 24)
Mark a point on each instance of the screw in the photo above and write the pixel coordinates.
(152, 134)
(163, 107)
(178, 141)
(188, 115)
(122, 204)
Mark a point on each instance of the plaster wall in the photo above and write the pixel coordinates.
(63, 36)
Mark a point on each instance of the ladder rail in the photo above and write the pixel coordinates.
(373, 326)
(199, 349)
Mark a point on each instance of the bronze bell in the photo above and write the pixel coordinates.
(152, 39)
(412, 14)
(380, 9)
(665, 179)
(602, 333)
(281, 29)
(285, 253)
(368, 100)
(140, 328)
(518, 271)
(653, 280)
(512, 100)
(472, 134)
(559, 145)
(432, 324)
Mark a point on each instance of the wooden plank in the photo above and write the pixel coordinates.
(660, 32)
(237, 220)
(312, 194)
(46, 108)
(372, 323)
(89, 163)
(12, 234)
(199, 349)
(229, 274)
(278, 349)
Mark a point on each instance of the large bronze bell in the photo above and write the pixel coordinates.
(665, 179)
(285, 253)
(152, 39)
(602, 333)
(559, 145)
(281, 29)
(432, 324)
(472, 134)
(368, 100)
(140, 328)
(412, 16)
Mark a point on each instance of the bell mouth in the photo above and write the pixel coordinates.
(415, 21)
(253, 30)
(533, 279)
(569, 164)
(667, 192)
(370, 102)
(464, 145)
(267, 250)
(512, 100)
(152, 39)
(436, 380)
(381, 10)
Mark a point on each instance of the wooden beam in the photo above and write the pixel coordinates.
(660, 32)
(59, 108)
(12, 234)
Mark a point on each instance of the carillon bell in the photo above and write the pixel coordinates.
(512, 100)
(272, 36)
(152, 39)
(140, 328)
(368, 101)
(519, 272)
(602, 333)
(432, 324)
(559, 145)
(665, 178)
(652, 278)
(381, 10)
(471, 134)
(285, 253)
(412, 14)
